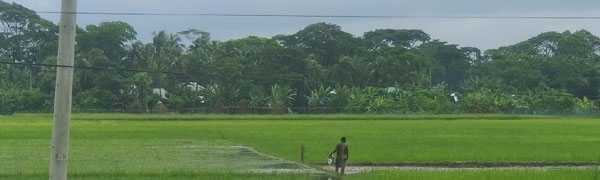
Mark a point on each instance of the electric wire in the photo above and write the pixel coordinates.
(320, 16)
(277, 79)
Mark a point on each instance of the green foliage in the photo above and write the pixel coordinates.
(447, 63)
(381, 105)
(435, 100)
(110, 37)
(11, 101)
(96, 98)
(222, 95)
(176, 102)
(398, 65)
(340, 97)
(320, 97)
(382, 38)
(585, 104)
(281, 97)
(475, 83)
(553, 100)
(545, 74)
(562, 61)
(200, 39)
(481, 101)
(140, 88)
(17, 100)
(136, 107)
(28, 38)
(326, 41)
(256, 101)
(540, 101)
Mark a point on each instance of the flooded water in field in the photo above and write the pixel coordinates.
(365, 169)
(176, 157)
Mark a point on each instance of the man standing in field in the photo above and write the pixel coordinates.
(341, 156)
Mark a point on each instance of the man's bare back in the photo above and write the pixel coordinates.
(341, 151)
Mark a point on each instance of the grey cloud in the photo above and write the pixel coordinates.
(480, 33)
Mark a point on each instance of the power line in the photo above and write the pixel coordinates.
(320, 16)
(276, 79)
(184, 73)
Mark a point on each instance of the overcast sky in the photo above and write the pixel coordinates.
(481, 33)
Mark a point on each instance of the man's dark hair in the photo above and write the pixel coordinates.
(343, 139)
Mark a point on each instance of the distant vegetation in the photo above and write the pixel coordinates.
(319, 69)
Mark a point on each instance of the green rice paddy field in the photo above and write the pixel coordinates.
(113, 146)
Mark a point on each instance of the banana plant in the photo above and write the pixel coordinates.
(280, 98)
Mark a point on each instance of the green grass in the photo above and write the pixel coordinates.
(169, 176)
(202, 117)
(118, 144)
(478, 175)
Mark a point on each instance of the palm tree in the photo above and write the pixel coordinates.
(139, 56)
(167, 49)
(159, 41)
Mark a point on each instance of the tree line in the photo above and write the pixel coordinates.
(319, 67)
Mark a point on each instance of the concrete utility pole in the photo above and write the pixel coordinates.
(63, 92)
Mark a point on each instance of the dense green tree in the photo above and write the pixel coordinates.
(397, 65)
(382, 38)
(350, 70)
(166, 56)
(326, 41)
(110, 37)
(25, 38)
(565, 61)
(450, 64)
(383, 71)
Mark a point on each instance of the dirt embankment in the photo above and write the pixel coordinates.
(474, 164)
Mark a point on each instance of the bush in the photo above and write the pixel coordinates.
(10, 100)
(96, 99)
(584, 106)
(552, 101)
(37, 101)
(136, 107)
(176, 103)
(433, 100)
(382, 104)
(480, 101)
(23, 100)
(280, 98)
